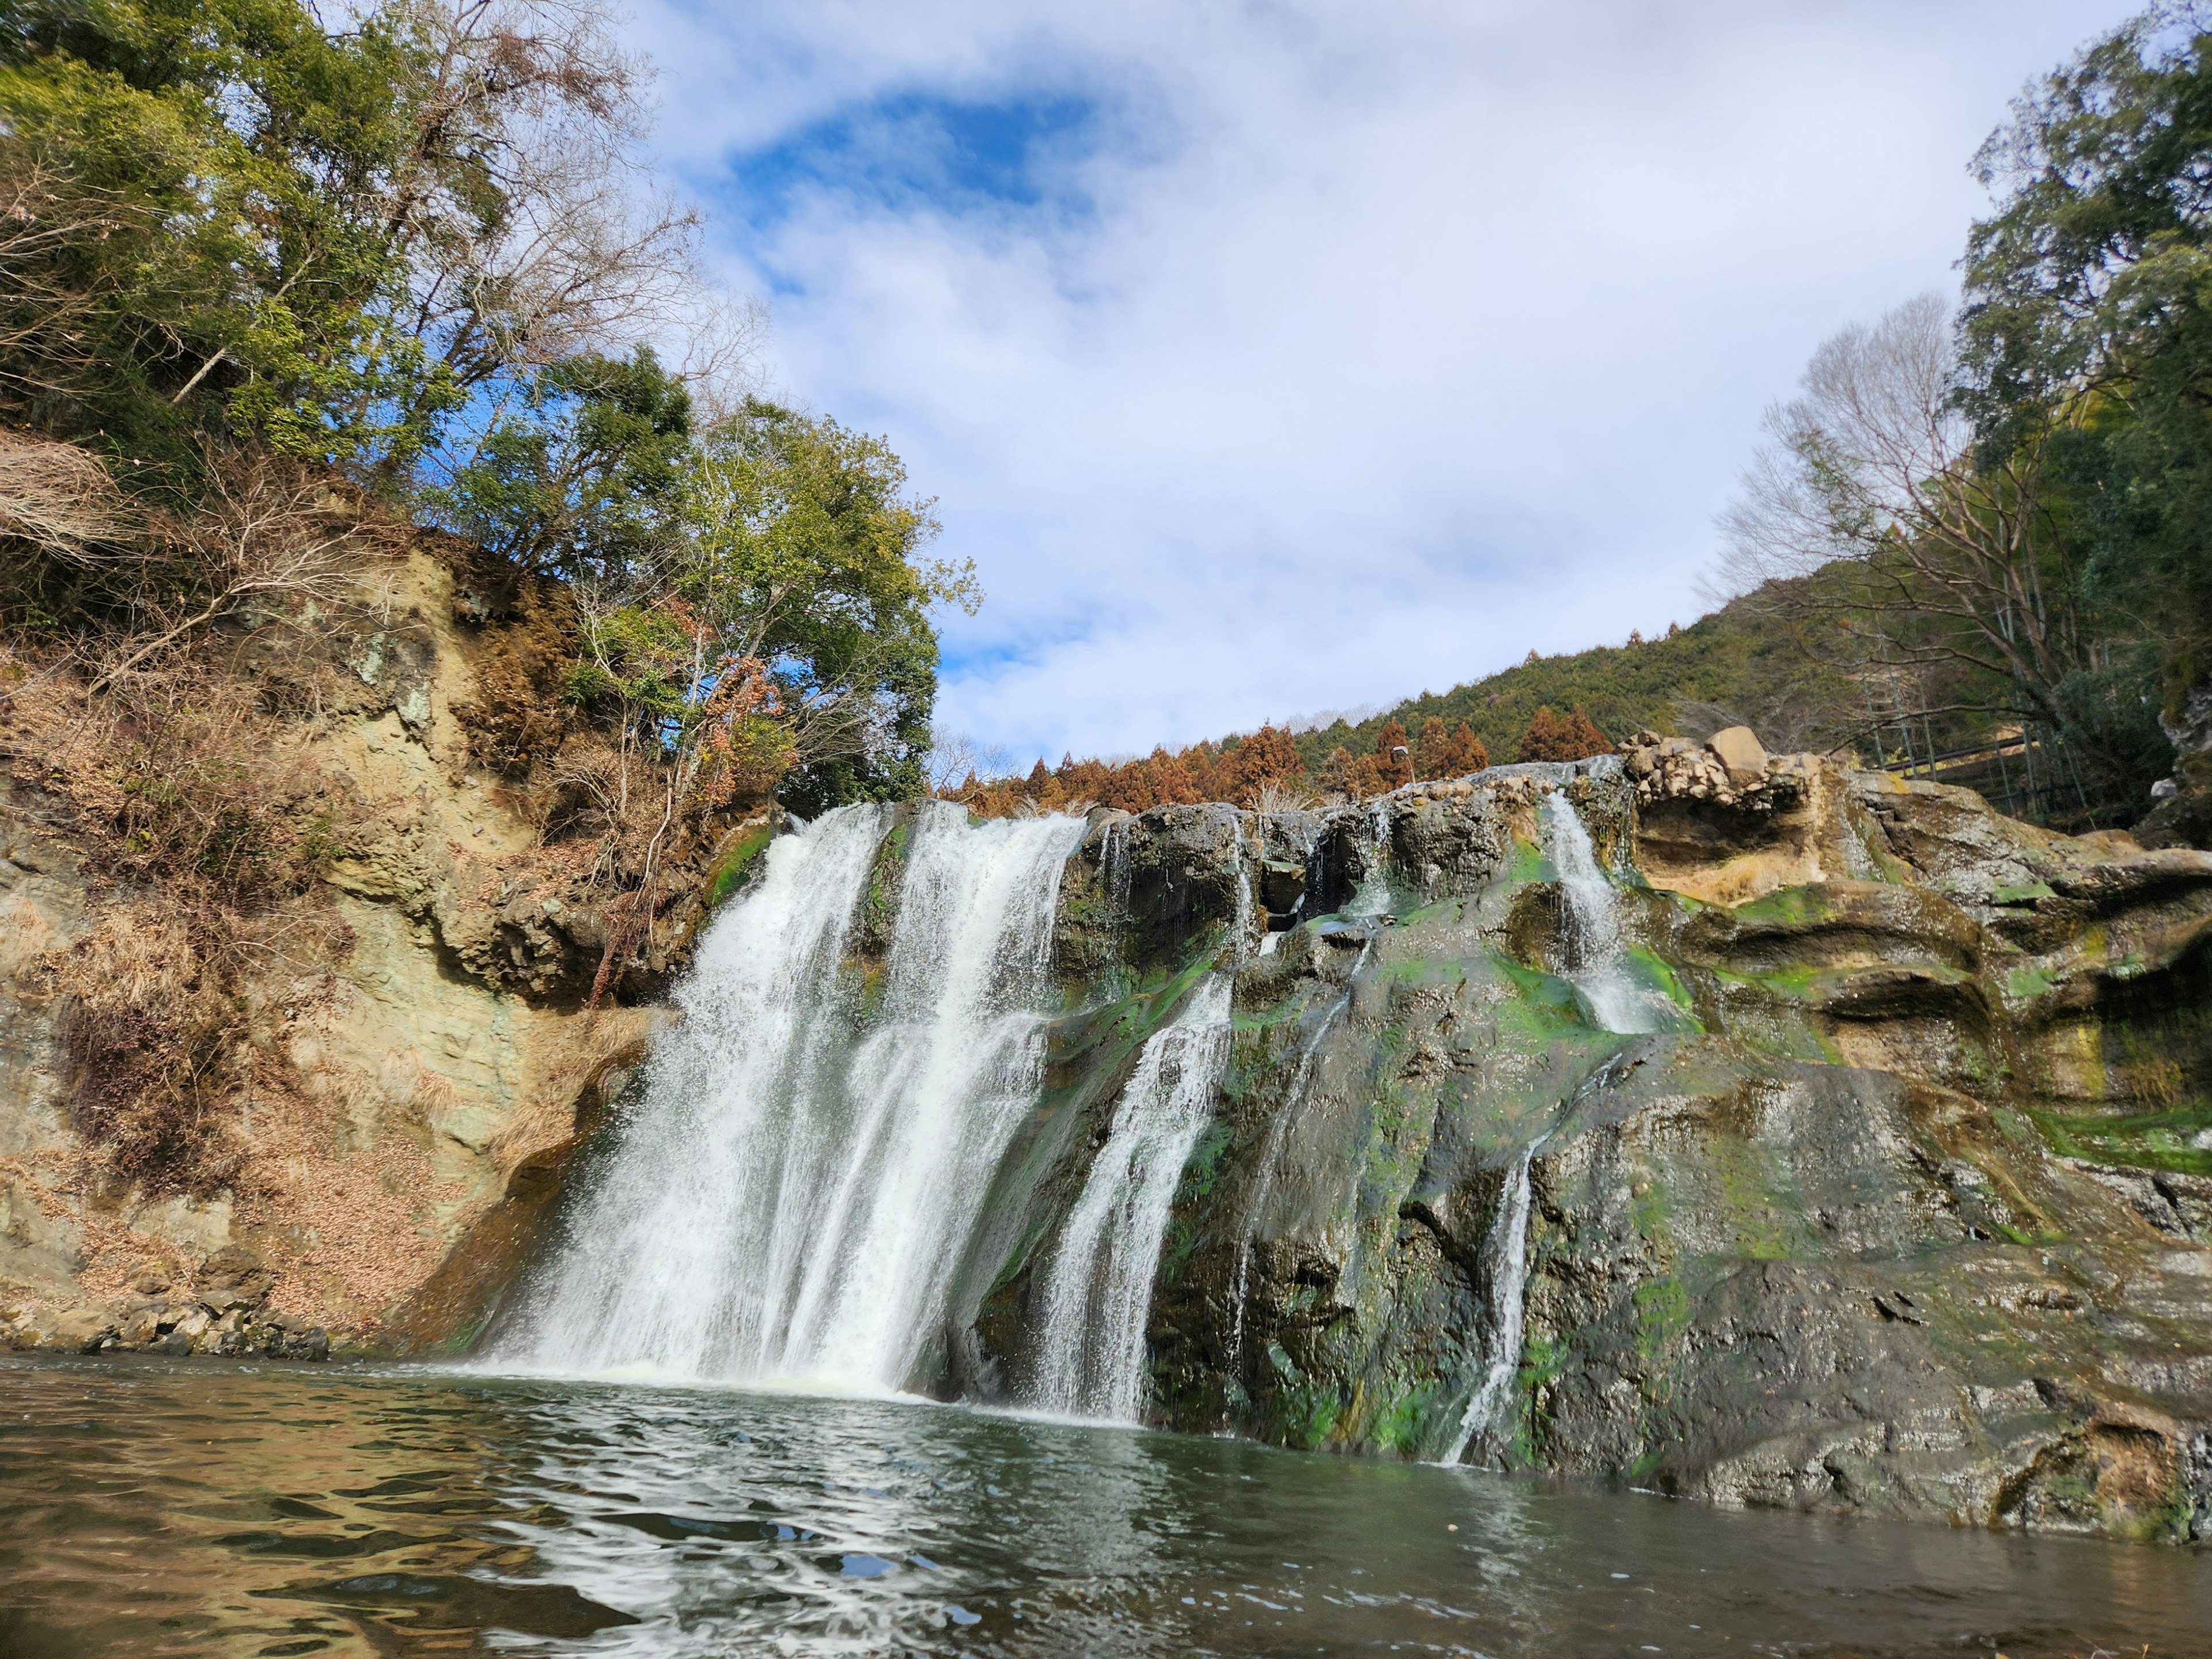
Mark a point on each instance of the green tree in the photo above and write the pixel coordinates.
(2088, 309)
(797, 558)
(583, 479)
(226, 222)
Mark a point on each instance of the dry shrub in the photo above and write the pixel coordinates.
(203, 834)
(59, 499)
(177, 778)
(269, 543)
(582, 793)
(148, 1034)
(747, 746)
(519, 638)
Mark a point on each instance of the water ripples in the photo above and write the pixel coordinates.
(157, 1507)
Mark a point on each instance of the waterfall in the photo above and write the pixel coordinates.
(791, 1197)
(1293, 1097)
(1373, 897)
(1243, 863)
(1505, 1267)
(1113, 875)
(1589, 933)
(1098, 1289)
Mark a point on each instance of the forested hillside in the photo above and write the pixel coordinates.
(1749, 663)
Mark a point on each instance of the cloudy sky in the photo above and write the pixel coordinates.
(1279, 356)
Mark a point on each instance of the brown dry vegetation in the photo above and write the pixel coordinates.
(1262, 771)
(175, 747)
(202, 829)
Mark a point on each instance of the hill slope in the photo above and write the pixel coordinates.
(1744, 663)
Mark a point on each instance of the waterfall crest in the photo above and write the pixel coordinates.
(1098, 1289)
(790, 1200)
(1590, 942)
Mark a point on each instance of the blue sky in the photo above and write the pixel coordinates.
(1274, 357)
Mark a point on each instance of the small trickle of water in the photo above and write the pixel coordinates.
(1114, 866)
(1098, 1290)
(1589, 948)
(1242, 856)
(1505, 1264)
(1271, 1151)
(1373, 897)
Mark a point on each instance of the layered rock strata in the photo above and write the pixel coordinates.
(1899, 1206)
(416, 1056)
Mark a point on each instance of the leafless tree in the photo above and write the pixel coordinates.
(268, 540)
(1932, 555)
(532, 103)
(954, 757)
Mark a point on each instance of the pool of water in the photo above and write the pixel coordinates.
(153, 1507)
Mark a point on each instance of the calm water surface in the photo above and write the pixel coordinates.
(183, 1507)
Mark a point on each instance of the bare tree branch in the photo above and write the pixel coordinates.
(1868, 481)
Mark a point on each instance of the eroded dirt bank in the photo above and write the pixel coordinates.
(342, 1113)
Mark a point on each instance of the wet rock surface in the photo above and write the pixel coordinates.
(1899, 1207)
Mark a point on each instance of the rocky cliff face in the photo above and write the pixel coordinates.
(407, 1055)
(1899, 1202)
(1896, 1198)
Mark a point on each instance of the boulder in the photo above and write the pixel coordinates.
(82, 1330)
(233, 1276)
(1741, 753)
(151, 1278)
(311, 1343)
(139, 1329)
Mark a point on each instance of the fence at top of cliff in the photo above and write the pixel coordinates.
(2025, 774)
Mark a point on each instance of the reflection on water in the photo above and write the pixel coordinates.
(157, 1507)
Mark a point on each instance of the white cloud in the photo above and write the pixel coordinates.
(1366, 347)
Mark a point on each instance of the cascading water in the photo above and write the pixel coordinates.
(1098, 1289)
(790, 1201)
(1270, 1152)
(1240, 860)
(1114, 873)
(1373, 897)
(1590, 955)
(1590, 934)
(1505, 1267)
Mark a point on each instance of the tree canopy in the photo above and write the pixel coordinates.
(412, 255)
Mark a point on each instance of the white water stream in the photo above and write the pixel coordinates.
(1506, 1265)
(1098, 1288)
(791, 1194)
(788, 1201)
(1590, 955)
(1589, 948)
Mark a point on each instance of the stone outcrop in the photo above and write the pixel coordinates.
(414, 1088)
(1900, 1202)
(2181, 815)
(1900, 1207)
